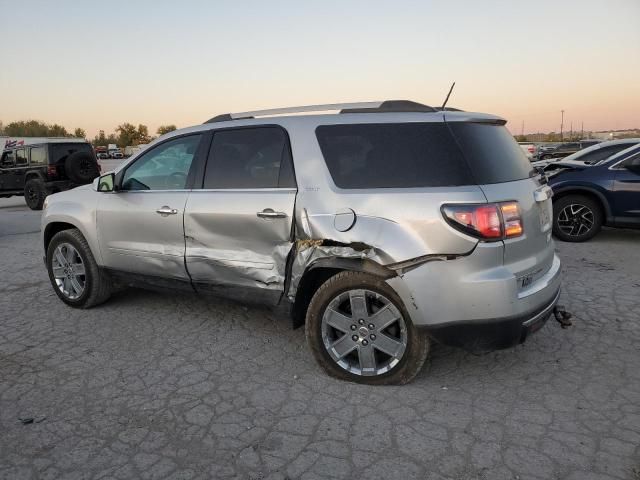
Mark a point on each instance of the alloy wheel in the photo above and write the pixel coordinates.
(68, 271)
(575, 220)
(364, 332)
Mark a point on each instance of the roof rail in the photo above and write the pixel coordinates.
(358, 107)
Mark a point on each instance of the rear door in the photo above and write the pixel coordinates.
(238, 226)
(505, 174)
(22, 165)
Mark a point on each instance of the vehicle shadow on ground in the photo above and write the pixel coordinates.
(201, 312)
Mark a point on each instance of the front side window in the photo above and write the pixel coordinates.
(38, 156)
(633, 160)
(164, 167)
(8, 159)
(21, 157)
(249, 158)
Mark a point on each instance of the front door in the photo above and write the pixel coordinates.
(140, 226)
(626, 191)
(7, 166)
(238, 226)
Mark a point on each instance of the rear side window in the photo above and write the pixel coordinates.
(38, 156)
(60, 151)
(21, 157)
(394, 155)
(492, 153)
(249, 158)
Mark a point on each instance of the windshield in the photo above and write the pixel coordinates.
(620, 155)
(598, 153)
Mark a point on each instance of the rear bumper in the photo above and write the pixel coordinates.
(476, 302)
(494, 334)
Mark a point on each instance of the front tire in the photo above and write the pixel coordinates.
(576, 218)
(358, 330)
(73, 271)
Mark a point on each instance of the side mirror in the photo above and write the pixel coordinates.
(106, 182)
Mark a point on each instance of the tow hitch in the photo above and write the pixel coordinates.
(562, 316)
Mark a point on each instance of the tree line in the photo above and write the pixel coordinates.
(125, 134)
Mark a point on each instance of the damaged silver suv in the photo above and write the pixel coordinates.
(380, 227)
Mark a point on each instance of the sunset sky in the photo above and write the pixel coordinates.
(96, 64)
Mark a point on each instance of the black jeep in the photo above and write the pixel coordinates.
(36, 169)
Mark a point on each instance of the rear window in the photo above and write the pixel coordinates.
(60, 151)
(394, 155)
(492, 152)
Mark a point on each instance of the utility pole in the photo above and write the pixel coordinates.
(582, 131)
(571, 131)
(522, 129)
(561, 125)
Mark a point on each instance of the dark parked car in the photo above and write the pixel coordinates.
(564, 149)
(590, 155)
(36, 168)
(589, 196)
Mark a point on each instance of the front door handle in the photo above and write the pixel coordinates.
(271, 213)
(164, 211)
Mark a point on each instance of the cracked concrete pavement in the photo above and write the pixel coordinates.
(158, 385)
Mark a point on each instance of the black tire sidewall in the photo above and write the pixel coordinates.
(72, 167)
(66, 237)
(357, 280)
(37, 186)
(561, 203)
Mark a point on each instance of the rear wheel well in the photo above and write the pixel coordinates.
(31, 176)
(53, 228)
(323, 270)
(308, 286)
(584, 193)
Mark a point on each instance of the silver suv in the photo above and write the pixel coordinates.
(380, 228)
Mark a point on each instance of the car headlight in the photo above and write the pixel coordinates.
(46, 203)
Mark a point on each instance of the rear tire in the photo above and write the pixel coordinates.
(366, 360)
(34, 194)
(85, 284)
(576, 218)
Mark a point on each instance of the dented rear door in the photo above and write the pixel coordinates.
(238, 226)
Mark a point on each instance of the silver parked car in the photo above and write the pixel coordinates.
(380, 228)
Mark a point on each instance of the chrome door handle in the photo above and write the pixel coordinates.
(271, 213)
(164, 211)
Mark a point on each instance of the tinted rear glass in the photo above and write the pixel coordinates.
(60, 151)
(492, 153)
(394, 155)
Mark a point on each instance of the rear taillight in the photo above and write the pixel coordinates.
(511, 219)
(52, 171)
(487, 221)
(531, 148)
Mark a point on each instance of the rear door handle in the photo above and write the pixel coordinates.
(271, 213)
(164, 211)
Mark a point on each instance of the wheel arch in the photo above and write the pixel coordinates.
(52, 228)
(322, 270)
(587, 192)
(32, 174)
